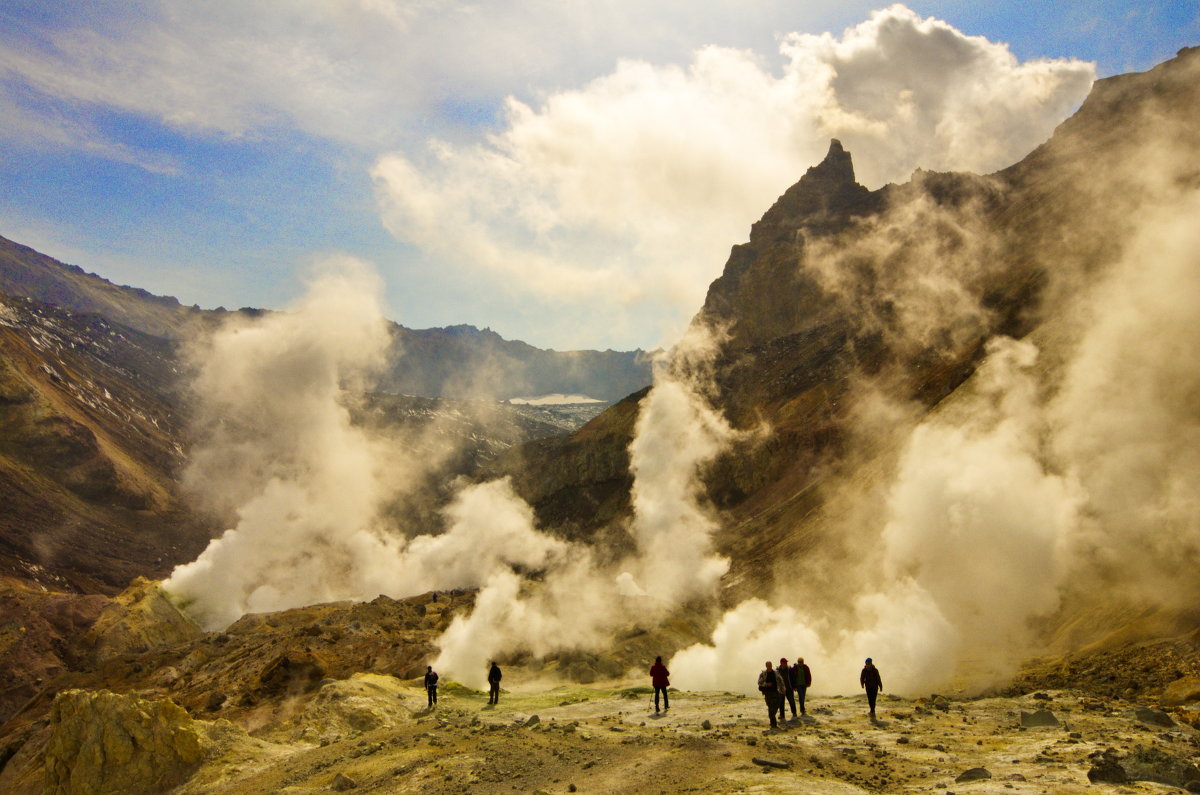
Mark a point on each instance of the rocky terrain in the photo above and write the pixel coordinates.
(329, 697)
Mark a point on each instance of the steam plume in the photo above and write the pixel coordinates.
(581, 604)
(1034, 491)
(277, 450)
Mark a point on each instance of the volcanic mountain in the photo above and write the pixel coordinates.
(842, 293)
(1021, 313)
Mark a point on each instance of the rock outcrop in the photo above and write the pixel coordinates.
(102, 743)
(137, 620)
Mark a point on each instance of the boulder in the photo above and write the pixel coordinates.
(1039, 719)
(342, 783)
(1106, 768)
(102, 743)
(1147, 763)
(973, 774)
(779, 764)
(1154, 717)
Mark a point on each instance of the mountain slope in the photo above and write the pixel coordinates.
(842, 294)
(90, 443)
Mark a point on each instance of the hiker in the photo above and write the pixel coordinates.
(785, 673)
(431, 680)
(801, 680)
(771, 686)
(870, 680)
(494, 676)
(659, 678)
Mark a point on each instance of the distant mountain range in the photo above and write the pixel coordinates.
(455, 362)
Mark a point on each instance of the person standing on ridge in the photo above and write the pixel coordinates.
(785, 673)
(431, 680)
(771, 686)
(494, 677)
(870, 681)
(801, 680)
(659, 679)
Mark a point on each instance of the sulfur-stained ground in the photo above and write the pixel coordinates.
(372, 733)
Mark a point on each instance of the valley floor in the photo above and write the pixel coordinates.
(372, 733)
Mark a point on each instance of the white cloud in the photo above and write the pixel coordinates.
(631, 189)
(620, 195)
(234, 69)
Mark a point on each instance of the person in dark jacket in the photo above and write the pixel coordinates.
(789, 697)
(771, 686)
(659, 678)
(801, 680)
(494, 676)
(431, 680)
(872, 682)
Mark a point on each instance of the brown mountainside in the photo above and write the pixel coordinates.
(821, 298)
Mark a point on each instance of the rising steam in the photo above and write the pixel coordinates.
(1063, 475)
(581, 604)
(277, 449)
(1034, 489)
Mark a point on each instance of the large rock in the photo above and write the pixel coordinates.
(1042, 718)
(140, 618)
(1185, 690)
(1147, 763)
(102, 743)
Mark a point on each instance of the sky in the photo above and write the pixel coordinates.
(571, 174)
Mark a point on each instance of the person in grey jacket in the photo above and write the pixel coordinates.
(770, 684)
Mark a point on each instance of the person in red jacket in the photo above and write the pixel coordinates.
(659, 678)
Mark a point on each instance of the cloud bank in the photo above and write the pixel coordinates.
(628, 191)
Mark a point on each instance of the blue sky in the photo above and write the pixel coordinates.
(569, 174)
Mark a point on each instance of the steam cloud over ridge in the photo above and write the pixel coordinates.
(626, 192)
(1061, 476)
(277, 448)
(1034, 489)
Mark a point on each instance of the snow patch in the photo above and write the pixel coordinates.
(557, 399)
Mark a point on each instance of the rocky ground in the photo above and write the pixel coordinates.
(373, 733)
(328, 698)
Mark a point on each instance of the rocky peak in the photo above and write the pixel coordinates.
(822, 201)
(763, 293)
